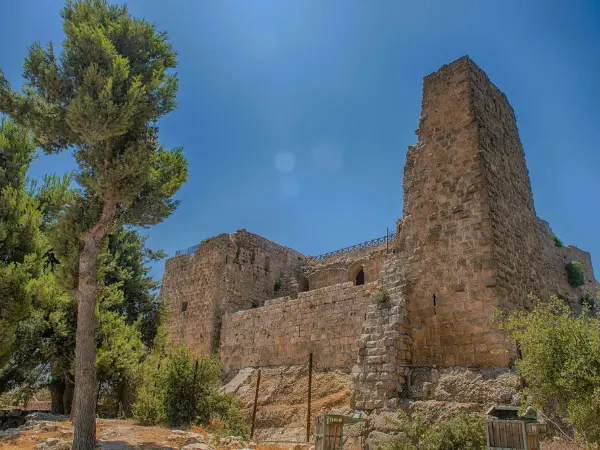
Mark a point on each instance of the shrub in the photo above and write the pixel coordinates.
(560, 363)
(226, 418)
(587, 301)
(380, 295)
(148, 408)
(558, 242)
(187, 386)
(575, 272)
(462, 432)
(182, 390)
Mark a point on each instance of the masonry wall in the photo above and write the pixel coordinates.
(325, 322)
(470, 238)
(445, 236)
(554, 261)
(226, 273)
(515, 232)
(344, 267)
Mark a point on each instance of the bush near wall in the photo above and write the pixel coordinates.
(462, 432)
(560, 364)
(575, 272)
(181, 390)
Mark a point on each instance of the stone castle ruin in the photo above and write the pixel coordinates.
(469, 242)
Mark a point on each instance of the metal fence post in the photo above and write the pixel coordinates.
(255, 404)
(310, 363)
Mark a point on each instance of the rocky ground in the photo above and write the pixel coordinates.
(43, 431)
(281, 413)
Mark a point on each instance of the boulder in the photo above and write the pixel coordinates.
(10, 432)
(194, 438)
(53, 444)
(197, 446)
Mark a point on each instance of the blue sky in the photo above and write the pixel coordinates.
(295, 116)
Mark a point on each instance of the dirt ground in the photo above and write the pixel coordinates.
(283, 396)
(112, 434)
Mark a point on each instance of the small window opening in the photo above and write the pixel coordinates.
(434, 304)
(267, 263)
(303, 286)
(360, 277)
(184, 306)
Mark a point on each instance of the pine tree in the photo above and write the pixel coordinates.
(22, 245)
(102, 98)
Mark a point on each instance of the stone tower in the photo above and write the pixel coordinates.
(470, 239)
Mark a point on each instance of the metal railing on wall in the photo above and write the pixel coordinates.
(372, 243)
(187, 251)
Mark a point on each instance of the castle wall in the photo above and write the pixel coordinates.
(325, 322)
(226, 273)
(556, 279)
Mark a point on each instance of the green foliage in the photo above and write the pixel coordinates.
(126, 265)
(182, 391)
(462, 432)
(23, 245)
(15, 303)
(101, 97)
(226, 417)
(588, 301)
(558, 242)
(560, 363)
(148, 408)
(380, 295)
(575, 272)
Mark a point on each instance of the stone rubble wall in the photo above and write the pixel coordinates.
(284, 331)
(384, 345)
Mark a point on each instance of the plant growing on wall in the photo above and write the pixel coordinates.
(558, 242)
(575, 272)
(380, 295)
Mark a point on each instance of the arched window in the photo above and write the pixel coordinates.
(360, 278)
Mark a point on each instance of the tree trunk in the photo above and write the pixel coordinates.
(57, 390)
(68, 397)
(84, 407)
